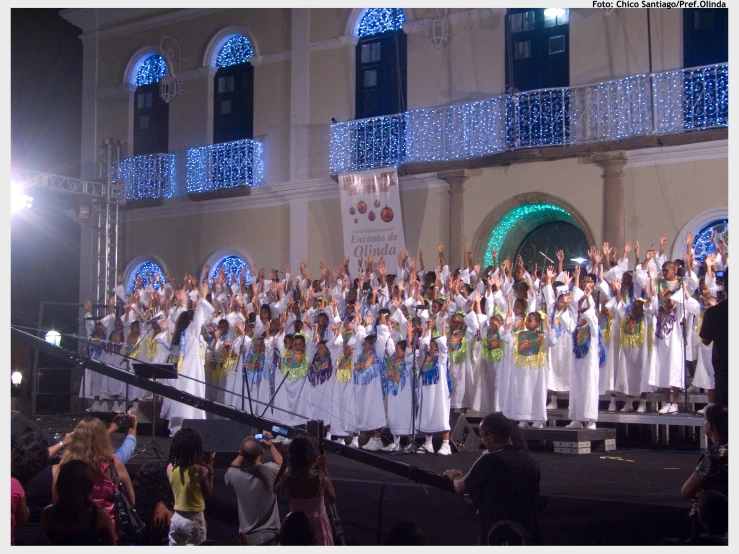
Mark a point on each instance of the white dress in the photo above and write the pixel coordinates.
(610, 332)
(487, 397)
(93, 381)
(584, 393)
(289, 383)
(111, 355)
(192, 369)
(560, 355)
(370, 414)
(434, 394)
(343, 400)
(462, 372)
(704, 377)
(397, 386)
(632, 374)
(319, 384)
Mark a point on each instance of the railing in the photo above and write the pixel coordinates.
(148, 177)
(638, 105)
(224, 166)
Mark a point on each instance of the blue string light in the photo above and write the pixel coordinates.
(702, 244)
(226, 165)
(151, 71)
(638, 105)
(234, 268)
(236, 50)
(145, 271)
(148, 177)
(381, 20)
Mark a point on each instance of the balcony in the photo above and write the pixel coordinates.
(229, 165)
(646, 105)
(148, 177)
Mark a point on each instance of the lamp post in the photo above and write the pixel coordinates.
(15, 378)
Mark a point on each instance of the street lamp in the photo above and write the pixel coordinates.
(16, 377)
(18, 200)
(53, 337)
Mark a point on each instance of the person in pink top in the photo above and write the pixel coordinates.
(19, 511)
(305, 478)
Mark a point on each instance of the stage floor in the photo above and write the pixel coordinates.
(626, 497)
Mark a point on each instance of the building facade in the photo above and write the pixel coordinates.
(512, 129)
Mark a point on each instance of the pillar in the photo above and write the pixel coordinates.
(614, 209)
(456, 179)
(299, 93)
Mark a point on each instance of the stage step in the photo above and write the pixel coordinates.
(573, 441)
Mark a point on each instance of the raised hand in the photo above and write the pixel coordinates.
(88, 306)
(606, 249)
(550, 273)
(627, 248)
(560, 255)
(440, 247)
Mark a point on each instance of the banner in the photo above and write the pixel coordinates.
(370, 211)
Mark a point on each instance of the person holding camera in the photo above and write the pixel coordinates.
(254, 484)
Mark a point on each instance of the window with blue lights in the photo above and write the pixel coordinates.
(381, 60)
(703, 240)
(233, 267)
(151, 113)
(705, 36)
(233, 109)
(148, 272)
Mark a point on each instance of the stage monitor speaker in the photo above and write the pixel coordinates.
(19, 424)
(463, 436)
(220, 435)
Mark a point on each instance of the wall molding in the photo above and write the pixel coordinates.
(679, 154)
(419, 25)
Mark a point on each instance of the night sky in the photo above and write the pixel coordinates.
(46, 105)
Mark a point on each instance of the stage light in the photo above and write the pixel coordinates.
(579, 261)
(19, 200)
(16, 377)
(554, 12)
(53, 337)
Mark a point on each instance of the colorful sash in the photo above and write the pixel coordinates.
(632, 332)
(95, 348)
(152, 347)
(457, 346)
(114, 344)
(254, 367)
(132, 350)
(430, 370)
(320, 370)
(530, 351)
(662, 287)
(604, 324)
(394, 376)
(665, 322)
(492, 347)
(344, 368)
(294, 365)
(176, 353)
(556, 324)
(581, 341)
(366, 369)
(346, 335)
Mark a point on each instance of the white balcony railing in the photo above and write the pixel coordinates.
(638, 105)
(150, 176)
(224, 166)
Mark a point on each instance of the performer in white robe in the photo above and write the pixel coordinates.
(562, 325)
(343, 400)
(584, 395)
(487, 394)
(320, 380)
(110, 387)
(637, 332)
(291, 407)
(435, 390)
(370, 414)
(91, 385)
(189, 357)
(397, 386)
(704, 376)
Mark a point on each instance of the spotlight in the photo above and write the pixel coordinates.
(18, 200)
(554, 12)
(53, 337)
(16, 377)
(578, 261)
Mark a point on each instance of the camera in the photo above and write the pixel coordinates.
(259, 436)
(122, 419)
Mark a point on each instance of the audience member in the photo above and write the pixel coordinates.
(74, 519)
(715, 330)
(29, 466)
(712, 472)
(307, 490)
(18, 508)
(503, 482)
(192, 483)
(154, 502)
(507, 533)
(91, 444)
(405, 533)
(713, 515)
(297, 530)
(254, 483)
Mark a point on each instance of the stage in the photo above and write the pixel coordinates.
(625, 497)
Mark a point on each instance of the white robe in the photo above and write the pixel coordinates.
(434, 399)
(399, 397)
(490, 382)
(289, 392)
(632, 373)
(343, 400)
(370, 414)
(607, 371)
(560, 355)
(584, 393)
(192, 373)
(92, 383)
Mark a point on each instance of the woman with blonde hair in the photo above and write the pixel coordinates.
(91, 444)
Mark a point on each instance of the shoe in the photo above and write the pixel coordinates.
(392, 447)
(134, 408)
(538, 425)
(95, 407)
(628, 407)
(590, 425)
(354, 443)
(552, 406)
(327, 437)
(574, 425)
(642, 407)
(118, 408)
(445, 449)
(612, 405)
(340, 440)
(702, 411)
(664, 409)
(523, 424)
(104, 406)
(693, 389)
(372, 444)
(673, 409)
(427, 447)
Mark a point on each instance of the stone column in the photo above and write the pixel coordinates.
(299, 93)
(456, 179)
(614, 210)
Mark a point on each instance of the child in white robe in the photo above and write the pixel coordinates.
(637, 333)
(397, 381)
(370, 414)
(487, 393)
(435, 390)
(562, 324)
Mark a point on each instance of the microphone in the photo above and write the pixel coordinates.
(154, 320)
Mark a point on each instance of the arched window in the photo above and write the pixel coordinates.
(382, 53)
(702, 243)
(233, 110)
(147, 270)
(234, 267)
(151, 113)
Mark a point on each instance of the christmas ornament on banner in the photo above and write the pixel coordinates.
(371, 215)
